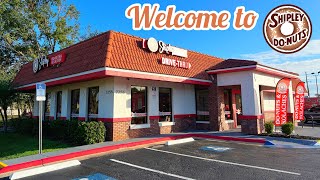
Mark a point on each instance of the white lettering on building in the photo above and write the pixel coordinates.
(175, 63)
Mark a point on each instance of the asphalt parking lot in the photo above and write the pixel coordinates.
(201, 159)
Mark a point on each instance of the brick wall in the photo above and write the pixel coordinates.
(252, 126)
(214, 105)
(121, 130)
(216, 108)
(202, 126)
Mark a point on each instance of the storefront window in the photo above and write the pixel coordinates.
(139, 105)
(165, 104)
(59, 102)
(47, 106)
(228, 110)
(93, 103)
(75, 103)
(202, 105)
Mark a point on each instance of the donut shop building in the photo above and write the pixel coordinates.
(141, 87)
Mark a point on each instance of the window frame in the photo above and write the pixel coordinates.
(58, 114)
(73, 115)
(93, 116)
(143, 125)
(162, 114)
(47, 102)
(202, 112)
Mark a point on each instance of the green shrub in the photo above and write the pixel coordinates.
(58, 129)
(287, 128)
(90, 133)
(72, 131)
(269, 126)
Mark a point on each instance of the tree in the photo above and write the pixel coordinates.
(28, 29)
(88, 34)
(31, 28)
(7, 95)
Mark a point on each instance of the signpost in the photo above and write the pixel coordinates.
(40, 96)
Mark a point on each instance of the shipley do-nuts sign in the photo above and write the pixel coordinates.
(160, 47)
(299, 102)
(44, 61)
(287, 29)
(281, 104)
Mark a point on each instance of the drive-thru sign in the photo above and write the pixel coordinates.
(40, 96)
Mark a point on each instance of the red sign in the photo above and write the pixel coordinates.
(299, 102)
(282, 90)
(57, 59)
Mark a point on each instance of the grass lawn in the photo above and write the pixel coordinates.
(14, 145)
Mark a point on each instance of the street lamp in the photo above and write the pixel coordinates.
(316, 75)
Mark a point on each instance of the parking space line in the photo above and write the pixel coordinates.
(226, 162)
(152, 170)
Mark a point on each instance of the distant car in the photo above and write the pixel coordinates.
(313, 112)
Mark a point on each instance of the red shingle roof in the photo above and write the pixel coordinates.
(115, 50)
(84, 56)
(233, 63)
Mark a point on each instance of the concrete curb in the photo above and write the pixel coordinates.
(179, 141)
(94, 151)
(44, 169)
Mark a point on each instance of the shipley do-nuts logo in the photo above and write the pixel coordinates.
(287, 29)
(282, 88)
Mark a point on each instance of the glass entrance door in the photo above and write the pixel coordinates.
(228, 110)
(238, 106)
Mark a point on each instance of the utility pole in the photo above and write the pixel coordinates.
(316, 75)
(307, 84)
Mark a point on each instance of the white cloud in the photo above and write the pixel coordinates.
(304, 61)
(311, 50)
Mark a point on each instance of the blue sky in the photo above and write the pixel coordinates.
(103, 16)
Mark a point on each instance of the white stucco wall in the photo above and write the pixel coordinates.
(250, 82)
(115, 97)
(105, 101)
(183, 97)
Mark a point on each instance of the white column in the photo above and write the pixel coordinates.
(250, 94)
(52, 104)
(153, 101)
(104, 102)
(83, 110)
(122, 98)
(65, 104)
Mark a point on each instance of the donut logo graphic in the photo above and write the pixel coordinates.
(282, 88)
(300, 89)
(287, 29)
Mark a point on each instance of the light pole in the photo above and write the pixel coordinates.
(307, 84)
(316, 75)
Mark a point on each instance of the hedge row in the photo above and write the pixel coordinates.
(71, 131)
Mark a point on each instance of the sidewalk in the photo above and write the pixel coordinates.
(78, 148)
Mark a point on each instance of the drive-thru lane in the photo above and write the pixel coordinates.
(189, 161)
